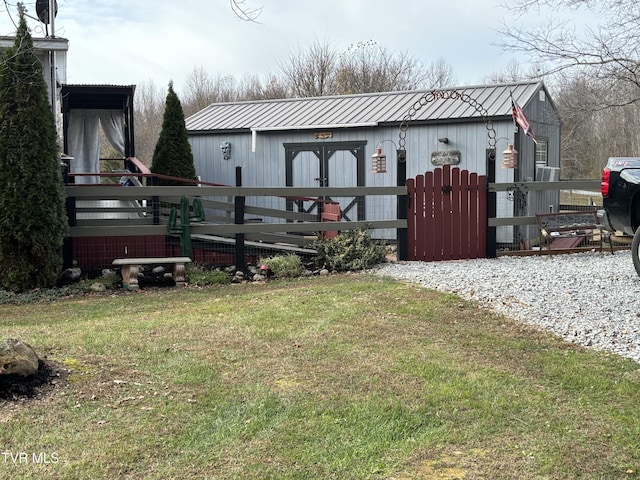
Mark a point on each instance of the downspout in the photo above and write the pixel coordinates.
(52, 62)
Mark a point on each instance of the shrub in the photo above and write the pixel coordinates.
(33, 219)
(200, 276)
(39, 295)
(173, 155)
(351, 250)
(111, 280)
(289, 266)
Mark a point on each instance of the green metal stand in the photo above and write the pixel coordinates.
(184, 229)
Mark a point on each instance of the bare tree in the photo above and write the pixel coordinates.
(595, 72)
(590, 136)
(245, 12)
(202, 89)
(439, 74)
(274, 88)
(253, 88)
(363, 68)
(366, 67)
(513, 72)
(311, 72)
(609, 52)
(579, 127)
(149, 109)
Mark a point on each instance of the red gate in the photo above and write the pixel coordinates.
(447, 215)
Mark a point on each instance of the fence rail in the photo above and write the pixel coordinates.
(172, 195)
(150, 199)
(589, 185)
(143, 211)
(111, 221)
(117, 192)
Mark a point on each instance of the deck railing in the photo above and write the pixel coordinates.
(144, 210)
(231, 214)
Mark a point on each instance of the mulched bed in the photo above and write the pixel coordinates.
(49, 376)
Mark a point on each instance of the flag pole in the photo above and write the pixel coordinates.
(513, 106)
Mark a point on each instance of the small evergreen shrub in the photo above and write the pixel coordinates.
(289, 266)
(200, 276)
(173, 155)
(111, 281)
(351, 250)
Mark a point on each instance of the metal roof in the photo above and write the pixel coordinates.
(360, 110)
(45, 44)
(97, 96)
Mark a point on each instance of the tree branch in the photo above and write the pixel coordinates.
(246, 13)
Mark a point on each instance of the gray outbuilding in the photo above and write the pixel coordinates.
(329, 141)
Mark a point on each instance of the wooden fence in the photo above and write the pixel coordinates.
(528, 220)
(108, 213)
(447, 215)
(98, 212)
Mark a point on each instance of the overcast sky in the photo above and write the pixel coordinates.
(126, 42)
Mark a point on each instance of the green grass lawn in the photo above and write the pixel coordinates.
(345, 377)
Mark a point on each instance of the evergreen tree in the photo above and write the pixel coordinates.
(33, 219)
(172, 155)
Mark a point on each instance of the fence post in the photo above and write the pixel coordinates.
(491, 203)
(67, 245)
(239, 204)
(155, 202)
(402, 236)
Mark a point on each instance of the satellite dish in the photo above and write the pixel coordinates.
(42, 9)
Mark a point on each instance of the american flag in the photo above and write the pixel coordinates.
(520, 118)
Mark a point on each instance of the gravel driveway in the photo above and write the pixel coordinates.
(590, 298)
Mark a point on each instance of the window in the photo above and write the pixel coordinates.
(542, 156)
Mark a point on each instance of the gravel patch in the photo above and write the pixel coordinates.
(589, 298)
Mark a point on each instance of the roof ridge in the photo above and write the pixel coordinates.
(374, 94)
(359, 109)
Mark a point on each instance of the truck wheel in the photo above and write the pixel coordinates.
(635, 251)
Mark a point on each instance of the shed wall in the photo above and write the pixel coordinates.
(546, 126)
(266, 165)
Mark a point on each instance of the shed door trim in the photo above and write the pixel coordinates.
(324, 151)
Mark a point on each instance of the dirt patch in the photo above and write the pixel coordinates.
(49, 376)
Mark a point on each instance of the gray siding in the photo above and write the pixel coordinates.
(546, 126)
(266, 165)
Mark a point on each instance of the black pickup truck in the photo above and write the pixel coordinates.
(621, 200)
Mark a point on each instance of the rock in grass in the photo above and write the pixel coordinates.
(71, 275)
(98, 287)
(17, 358)
(159, 270)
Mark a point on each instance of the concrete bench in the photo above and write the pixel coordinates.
(130, 268)
(567, 230)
